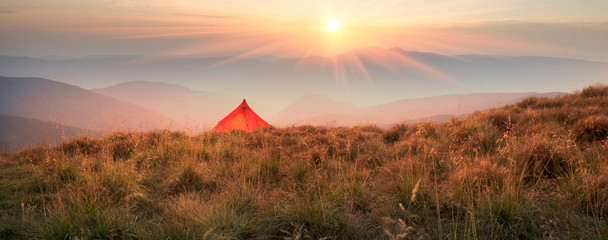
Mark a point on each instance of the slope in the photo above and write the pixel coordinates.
(361, 77)
(309, 106)
(49, 100)
(320, 110)
(522, 171)
(193, 109)
(19, 133)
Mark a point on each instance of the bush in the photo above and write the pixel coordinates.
(598, 195)
(269, 169)
(191, 179)
(394, 134)
(591, 129)
(67, 172)
(121, 185)
(542, 158)
(527, 102)
(569, 116)
(314, 218)
(370, 129)
(482, 139)
(502, 120)
(474, 138)
(506, 215)
(480, 175)
(84, 145)
(426, 130)
(87, 213)
(122, 150)
(595, 91)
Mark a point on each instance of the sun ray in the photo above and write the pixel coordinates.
(304, 33)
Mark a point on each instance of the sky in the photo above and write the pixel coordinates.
(278, 28)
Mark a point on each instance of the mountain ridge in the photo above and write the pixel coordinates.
(364, 76)
(194, 109)
(18, 133)
(66, 104)
(413, 109)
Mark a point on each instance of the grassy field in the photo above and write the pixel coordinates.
(537, 169)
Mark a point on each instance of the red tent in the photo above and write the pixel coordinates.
(242, 118)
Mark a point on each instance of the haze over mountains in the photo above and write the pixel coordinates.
(202, 110)
(368, 86)
(321, 110)
(41, 111)
(196, 110)
(17, 133)
(48, 100)
(364, 77)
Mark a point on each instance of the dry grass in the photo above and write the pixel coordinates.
(591, 129)
(532, 170)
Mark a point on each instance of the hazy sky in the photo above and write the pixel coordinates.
(564, 28)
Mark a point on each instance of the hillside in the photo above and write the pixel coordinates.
(319, 110)
(70, 105)
(535, 169)
(18, 133)
(199, 109)
(309, 106)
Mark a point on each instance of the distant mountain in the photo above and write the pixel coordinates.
(193, 109)
(102, 71)
(18, 133)
(303, 110)
(65, 104)
(377, 75)
(363, 77)
(201, 110)
(439, 108)
(441, 105)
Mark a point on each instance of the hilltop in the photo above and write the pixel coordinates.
(145, 106)
(19, 133)
(48, 100)
(531, 170)
(320, 110)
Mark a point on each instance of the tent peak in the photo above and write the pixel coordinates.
(242, 118)
(244, 103)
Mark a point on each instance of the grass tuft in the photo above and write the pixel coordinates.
(591, 129)
(531, 170)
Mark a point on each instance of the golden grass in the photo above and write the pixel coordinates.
(532, 170)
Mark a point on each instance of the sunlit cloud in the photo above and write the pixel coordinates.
(298, 29)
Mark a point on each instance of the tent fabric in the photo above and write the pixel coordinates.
(242, 118)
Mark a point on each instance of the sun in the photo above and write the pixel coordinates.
(333, 25)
